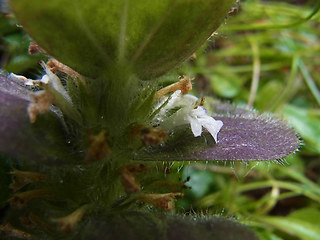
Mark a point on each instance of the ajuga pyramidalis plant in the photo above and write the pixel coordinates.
(88, 141)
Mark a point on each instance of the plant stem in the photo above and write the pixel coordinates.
(300, 189)
(256, 71)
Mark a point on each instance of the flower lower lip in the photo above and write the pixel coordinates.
(188, 112)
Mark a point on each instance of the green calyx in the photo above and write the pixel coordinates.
(151, 36)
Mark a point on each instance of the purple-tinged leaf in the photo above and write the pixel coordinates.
(245, 136)
(10, 86)
(18, 137)
(13, 117)
(261, 138)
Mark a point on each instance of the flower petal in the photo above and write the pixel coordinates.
(213, 126)
(209, 123)
(196, 126)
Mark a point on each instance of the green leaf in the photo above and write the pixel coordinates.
(295, 227)
(310, 215)
(306, 124)
(21, 63)
(200, 181)
(270, 90)
(225, 86)
(89, 36)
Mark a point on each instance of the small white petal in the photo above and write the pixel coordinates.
(196, 126)
(189, 100)
(45, 79)
(23, 79)
(18, 77)
(185, 104)
(55, 82)
(196, 117)
(213, 126)
(200, 112)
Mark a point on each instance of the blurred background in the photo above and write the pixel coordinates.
(267, 56)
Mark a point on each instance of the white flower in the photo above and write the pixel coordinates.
(182, 109)
(51, 80)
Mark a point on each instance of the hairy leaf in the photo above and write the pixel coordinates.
(4, 6)
(138, 225)
(245, 136)
(153, 35)
(21, 139)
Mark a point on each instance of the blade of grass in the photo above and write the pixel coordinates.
(294, 227)
(294, 187)
(288, 88)
(264, 26)
(255, 72)
(309, 81)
